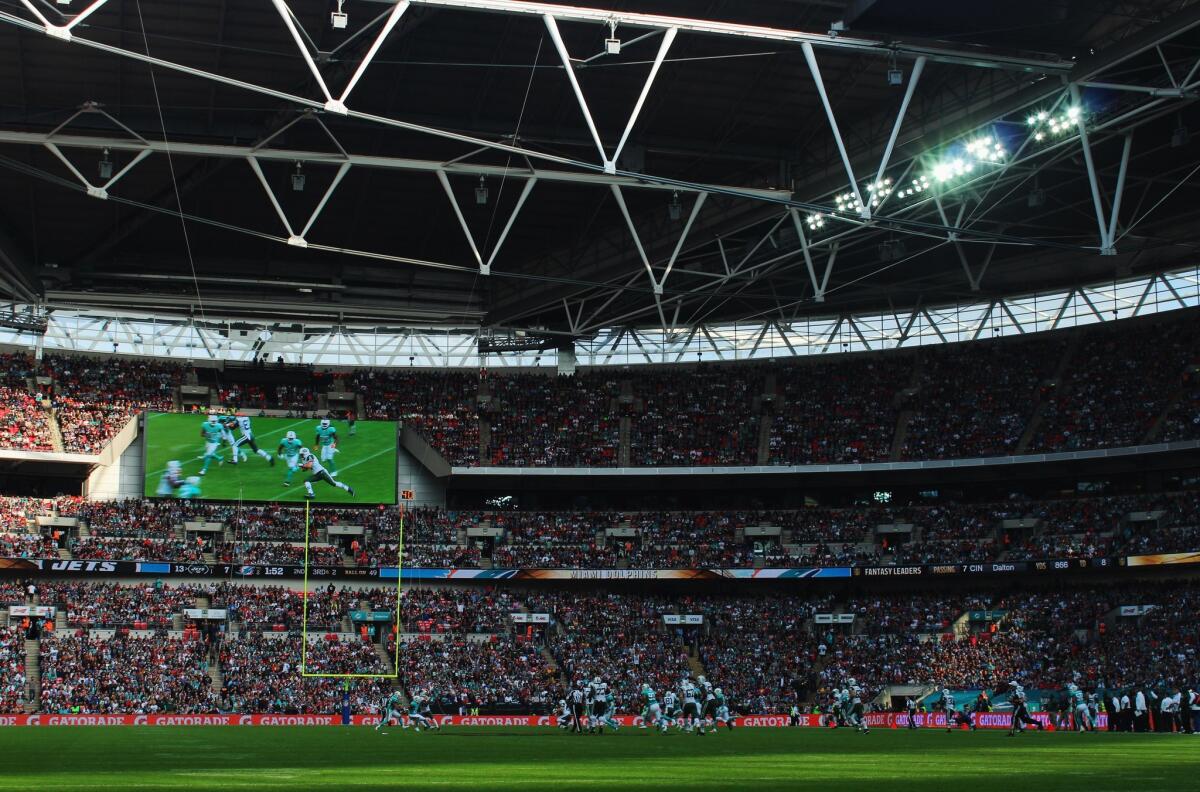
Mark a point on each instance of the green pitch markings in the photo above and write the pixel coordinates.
(50, 759)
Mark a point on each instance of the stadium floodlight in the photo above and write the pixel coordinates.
(612, 44)
(1180, 136)
(815, 221)
(105, 167)
(675, 209)
(339, 19)
(481, 192)
(1045, 125)
(298, 179)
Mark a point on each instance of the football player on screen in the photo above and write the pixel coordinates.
(326, 440)
(319, 473)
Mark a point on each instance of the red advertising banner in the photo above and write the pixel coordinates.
(882, 720)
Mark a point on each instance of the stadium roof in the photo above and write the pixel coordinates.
(730, 196)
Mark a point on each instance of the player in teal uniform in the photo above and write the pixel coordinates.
(211, 431)
(652, 712)
(391, 708)
(326, 441)
(610, 710)
(190, 489)
(289, 452)
(723, 715)
(416, 717)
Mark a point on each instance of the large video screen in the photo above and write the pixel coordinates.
(244, 457)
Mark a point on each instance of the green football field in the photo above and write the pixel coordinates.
(366, 460)
(318, 758)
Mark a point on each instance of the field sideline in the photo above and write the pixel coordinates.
(279, 758)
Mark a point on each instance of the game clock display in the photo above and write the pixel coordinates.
(238, 456)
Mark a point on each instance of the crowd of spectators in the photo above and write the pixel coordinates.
(767, 651)
(966, 400)
(97, 604)
(126, 549)
(1018, 528)
(701, 416)
(975, 400)
(261, 673)
(1119, 381)
(499, 671)
(94, 398)
(550, 421)
(125, 674)
(12, 670)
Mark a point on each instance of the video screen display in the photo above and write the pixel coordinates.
(244, 457)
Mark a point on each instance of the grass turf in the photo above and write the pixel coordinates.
(315, 758)
(366, 460)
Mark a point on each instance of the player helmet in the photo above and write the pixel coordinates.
(596, 681)
(290, 435)
(701, 680)
(717, 691)
(174, 465)
(324, 423)
(212, 419)
(945, 691)
(852, 682)
(305, 453)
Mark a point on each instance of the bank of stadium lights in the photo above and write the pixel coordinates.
(1049, 125)
(815, 221)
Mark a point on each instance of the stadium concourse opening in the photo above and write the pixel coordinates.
(637, 394)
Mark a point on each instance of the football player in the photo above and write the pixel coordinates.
(289, 452)
(318, 473)
(326, 441)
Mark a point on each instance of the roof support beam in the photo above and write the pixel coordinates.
(918, 67)
(208, 150)
(609, 164)
(605, 16)
(811, 57)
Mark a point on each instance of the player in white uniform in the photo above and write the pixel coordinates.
(691, 707)
(708, 709)
(565, 718)
(858, 716)
(318, 473)
(246, 437)
(670, 709)
(1083, 718)
(171, 480)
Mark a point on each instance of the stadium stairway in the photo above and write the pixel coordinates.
(765, 419)
(60, 621)
(1176, 396)
(383, 655)
(485, 440)
(56, 440)
(1056, 383)
(218, 681)
(905, 401)
(695, 666)
(33, 675)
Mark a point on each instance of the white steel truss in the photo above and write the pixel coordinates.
(73, 328)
